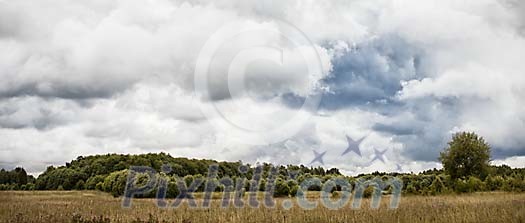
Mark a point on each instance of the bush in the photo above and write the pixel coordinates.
(30, 186)
(475, 184)
(115, 183)
(4, 187)
(461, 186)
(293, 190)
(493, 183)
(79, 185)
(173, 190)
(410, 189)
(99, 186)
(369, 191)
(437, 187)
(514, 184)
(281, 188)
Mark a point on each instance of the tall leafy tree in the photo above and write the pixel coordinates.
(466, 155)
(20, 176)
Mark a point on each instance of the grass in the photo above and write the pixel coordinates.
(90, 206)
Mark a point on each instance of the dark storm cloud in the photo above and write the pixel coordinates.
(369, 77)
(423, 126)
(40, 124)
(398, 129)
(15, 115)
(65, 91)
(502, 153)
(371, 72)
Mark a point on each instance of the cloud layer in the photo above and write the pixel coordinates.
(89, 77)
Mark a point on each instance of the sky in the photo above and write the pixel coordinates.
(284, 82)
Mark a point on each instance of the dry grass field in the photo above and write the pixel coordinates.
(89, 206)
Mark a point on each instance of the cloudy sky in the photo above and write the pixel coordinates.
(260, 81)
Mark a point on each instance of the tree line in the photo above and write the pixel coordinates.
(465, 161)
(16, 179)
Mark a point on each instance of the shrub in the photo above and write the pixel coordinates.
(115, 183)
(461, 186)
(281, 188)
(437, 186)
(493, 183)
(91, 183)
(475, 184)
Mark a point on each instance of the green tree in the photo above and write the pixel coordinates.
(20, 176)
(92, 182)
(115, 183)
(281, 188)
(466, 155)
(173, 190)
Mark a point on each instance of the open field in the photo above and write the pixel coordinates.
(89, 206)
